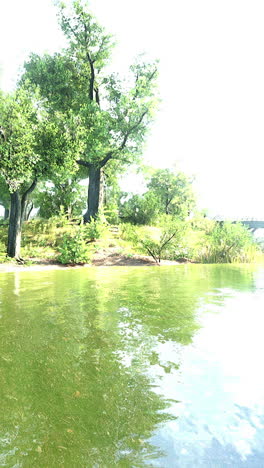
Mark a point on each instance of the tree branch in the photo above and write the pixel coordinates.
(168, 240)
(81, 162)
(29, 190)
(2, 134)
(97, 98)
(91, 63)
(128, 133)
(106, 159)
(24, 199)
(137, 79)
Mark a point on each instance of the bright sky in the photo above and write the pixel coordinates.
(211, 120)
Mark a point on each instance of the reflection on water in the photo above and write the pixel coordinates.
(132, 367)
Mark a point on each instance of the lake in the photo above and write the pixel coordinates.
(132, 367)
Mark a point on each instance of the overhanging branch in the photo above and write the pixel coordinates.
(134, 127)
(106, 159)
(81, 162)
(29, 190)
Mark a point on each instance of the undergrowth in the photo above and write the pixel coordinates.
(68, 242)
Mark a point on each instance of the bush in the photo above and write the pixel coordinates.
(167, 244)
(74, 249)
(139, 209)
(227, 243)
(95, 229)
(128, 232)
(111, 214)
(3, 256)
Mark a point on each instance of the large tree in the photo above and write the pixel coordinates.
(60, 196)
(33, 146)
(173, 192)
(18, 158)
(113, 115)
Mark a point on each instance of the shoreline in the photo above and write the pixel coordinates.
(99, 261)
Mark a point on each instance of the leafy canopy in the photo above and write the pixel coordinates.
(173, 192)
(18, 146)
(111, 114)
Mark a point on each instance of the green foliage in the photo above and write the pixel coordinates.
(199, 222)
(106, 117)
(167, 244)
(139, 209)
(95, 229)
(226, 243)
(18, 148)
(73, 82)
(37, 251)
(74, 249)
(57, 221)
(173, 193)
(2, 246)
(34, 144)
(66, 196)
(4, 193)
(112, 197)
(168, 194)
(128, 232)
(111, 213)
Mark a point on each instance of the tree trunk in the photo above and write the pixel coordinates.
(17, 210)
(93, 193)
(28, 211)
(14, 230)
(24, 207)
(6, 214)
(24, 201)
(102, 190)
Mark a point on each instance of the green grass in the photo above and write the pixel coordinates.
(41, 240)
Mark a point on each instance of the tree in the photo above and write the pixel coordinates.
(35, 145)
(18, 158)
(112, 115)
(67, 195)
(4, 197)
(139, 209)
(173, 192)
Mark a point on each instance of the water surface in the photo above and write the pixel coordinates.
(132, 367)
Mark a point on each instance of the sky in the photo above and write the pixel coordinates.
(211, 118)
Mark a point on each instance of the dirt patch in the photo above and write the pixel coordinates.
(116, 259)
(106, 257)
(112, 257)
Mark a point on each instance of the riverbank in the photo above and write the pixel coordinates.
(106, 257)
(46, 242)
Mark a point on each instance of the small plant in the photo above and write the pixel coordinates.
(111, 214)
(163, 246)
(128, 232)
(227, 243)
(94, 230)
(59, 220)
(74, 249)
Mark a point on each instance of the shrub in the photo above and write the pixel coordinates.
(139, 209)
(74, 249)
(111, 213)
(167, 244)
(128, 232)
(95, 229)
(227, 243)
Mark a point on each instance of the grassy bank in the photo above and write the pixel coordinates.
(202, 241)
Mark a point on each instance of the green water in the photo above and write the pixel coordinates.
(132, 367)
